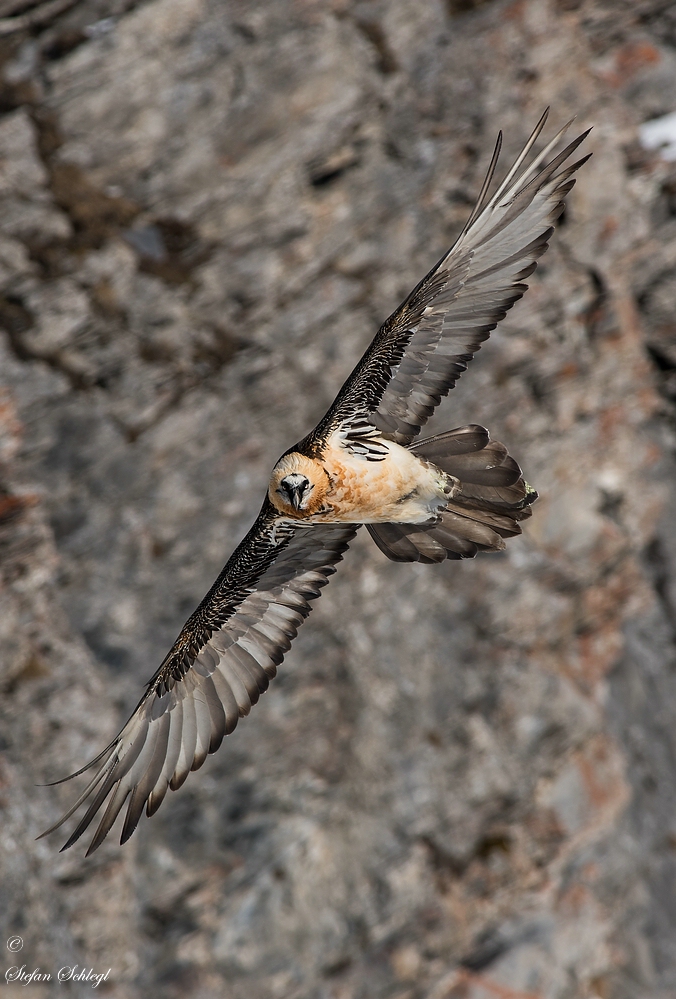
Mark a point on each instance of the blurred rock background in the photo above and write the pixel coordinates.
(462, 784)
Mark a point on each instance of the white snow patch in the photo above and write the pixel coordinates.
(660, 133)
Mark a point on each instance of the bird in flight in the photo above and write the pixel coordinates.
(449, 496)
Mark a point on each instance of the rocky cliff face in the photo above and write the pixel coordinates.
(462, 784)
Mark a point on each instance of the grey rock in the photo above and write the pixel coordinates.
(461, 783)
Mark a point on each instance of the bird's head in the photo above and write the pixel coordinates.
(298, 486)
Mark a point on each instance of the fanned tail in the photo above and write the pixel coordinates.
(492, 500)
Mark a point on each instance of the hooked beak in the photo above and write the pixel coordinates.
(295, 494)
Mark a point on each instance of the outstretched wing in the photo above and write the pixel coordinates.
(426, 344)
(220, 664)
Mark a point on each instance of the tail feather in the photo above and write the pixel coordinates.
(487, 506)
(501, 498)
(502, 523)
(408, 543)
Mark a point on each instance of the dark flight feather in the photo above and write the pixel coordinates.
(220, 664)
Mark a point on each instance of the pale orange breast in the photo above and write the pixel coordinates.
(400, 488)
